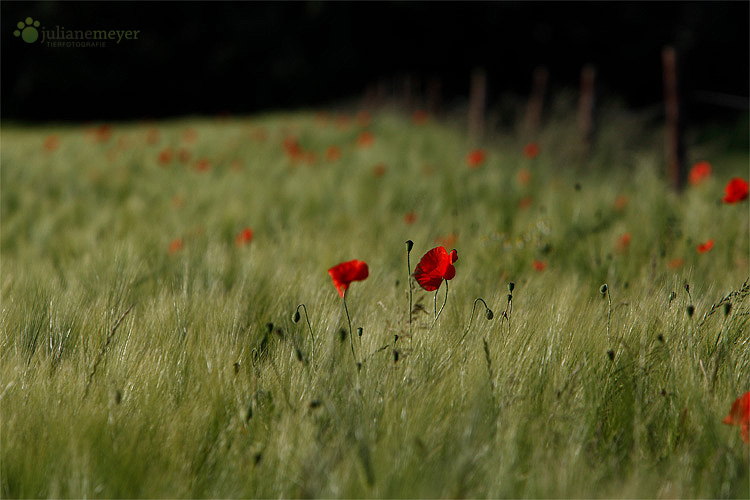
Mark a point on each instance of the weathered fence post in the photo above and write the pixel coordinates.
(477, 100)
(536, 100)
(586, 105)
(674, 145)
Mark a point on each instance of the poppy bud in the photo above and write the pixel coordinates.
(395, 356)
(660, 338)
(359, 331)
(510, 297)
(409, 245)
(269, 327)
(687, 288)
(611, 354)
(672, 296)
(690, 310)
(489, 314)
(118, 396)
(511, 286)
(300, 357)
(296, 316)
(342, 335)
(314, 404)
(603, 289)
(727, 308)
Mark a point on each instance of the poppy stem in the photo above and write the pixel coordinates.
(409, 245)
(351, 339)
(312, 349)
(488, 313)
(444, 301)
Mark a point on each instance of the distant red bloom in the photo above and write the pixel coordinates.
(419, 117)
(190, 136)
(52, 143)
(346, 272)
(259, 134)
(705, 247)
(333, 153)
(735, 191)
(739, 415)
(175, 246)
(410, 218)
(624, 241)
(365, 139)
(203, 165)
(447, 240)
(524, 176)
(152, 136)
(475, 158)
(675, 263)
(183, 155)
(292, 148)
(531, 150)
(165, 157)
(539, 265)
(699, 172)
(434, 267)
(363, 118)
(103, 133)
(244, 237)
(621, 202)
(379, 170)
(525, 202)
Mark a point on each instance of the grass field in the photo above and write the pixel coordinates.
(199, 389)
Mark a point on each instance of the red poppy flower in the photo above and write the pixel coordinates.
(190, 136)
(699, 172)
(434, 267)
(175, 246)
(624, 241)
(524, 176)
(152, 136)
(419, 117)
(475, 158)
(333, 153)
(244, 237)
(203, 165)
(539, 265)
(735, 191)
(531, 150)
(165, 157)
(675, 263)
(103, 133)
(379, 170)
(346, 272)
(365, 139)
(410, 218)
(52, 143)
(525, 202)
(739, 415)
(621, 202)
(705, 247)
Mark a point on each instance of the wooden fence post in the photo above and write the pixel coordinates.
(674, 144)
(477, 100)
(536, 100)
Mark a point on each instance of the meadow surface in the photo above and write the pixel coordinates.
(148, 348)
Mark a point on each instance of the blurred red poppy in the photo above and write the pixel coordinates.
(675, 263)
(244, 237)
(346, 272)
(475, 158)
(735, 191)
(525, 202)
(183, 155)
(621, 202)
(379, 170)
(539, 265)
(699, 172)
(52, 143)
(531, 150)
(524, 176)
(705, 247)
(410, 218)
(152, 136)
(624, 241)
(165, 157)
(259, 134)
(103, 133)
(203, 165)
(419, 117)
(175, 246)
(190, 136)
(434, 267)
(333, 153)
(739, 415)
(447, 241)
(365, 139)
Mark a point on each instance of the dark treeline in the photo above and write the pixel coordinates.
(213, 57)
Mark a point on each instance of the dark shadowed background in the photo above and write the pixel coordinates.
(207, 58)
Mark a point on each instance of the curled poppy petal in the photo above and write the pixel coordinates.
(346, 272)
(435, 266)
